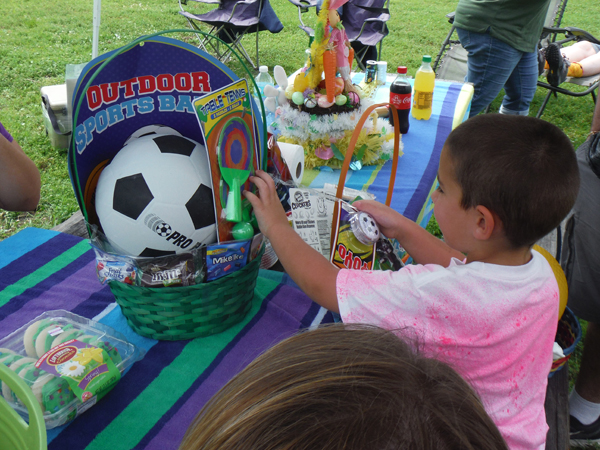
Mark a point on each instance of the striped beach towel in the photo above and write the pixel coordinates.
(155, 401)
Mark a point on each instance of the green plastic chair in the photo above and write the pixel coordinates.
(15, 434)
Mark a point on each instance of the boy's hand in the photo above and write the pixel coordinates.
(267, 206)
(387, 219)
(315, 275)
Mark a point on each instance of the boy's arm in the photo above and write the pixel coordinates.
(422, 246)
(313, 273)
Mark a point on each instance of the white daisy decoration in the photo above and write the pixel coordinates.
(71, 369)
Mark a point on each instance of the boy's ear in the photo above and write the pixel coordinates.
(486, 223)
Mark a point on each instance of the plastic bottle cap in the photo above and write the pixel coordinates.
(266, 68)
(401, 69)
(426, 58)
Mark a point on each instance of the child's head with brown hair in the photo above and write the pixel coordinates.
(522, 169)
(351, 387)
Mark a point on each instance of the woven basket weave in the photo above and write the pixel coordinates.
(187, 312)
(568, 336)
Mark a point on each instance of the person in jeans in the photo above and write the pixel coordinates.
(500, 37)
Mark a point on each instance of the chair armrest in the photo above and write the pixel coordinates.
(208, 2)
(450, 17)
(383, 18)
(572, 33)
(581, 35)
(304, 3)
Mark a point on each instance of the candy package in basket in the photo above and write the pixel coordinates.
(68, 361)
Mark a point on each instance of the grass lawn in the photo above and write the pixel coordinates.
(38, 39)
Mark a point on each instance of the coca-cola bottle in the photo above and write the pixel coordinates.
(400, 97)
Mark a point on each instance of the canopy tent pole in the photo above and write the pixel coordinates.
(96, 32)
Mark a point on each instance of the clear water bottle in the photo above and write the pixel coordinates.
(262, 79)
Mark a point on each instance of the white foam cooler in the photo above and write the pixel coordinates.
(56, 115)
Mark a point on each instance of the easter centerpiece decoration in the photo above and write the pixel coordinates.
(324, 106)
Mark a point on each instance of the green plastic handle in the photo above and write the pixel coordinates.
(234, 202)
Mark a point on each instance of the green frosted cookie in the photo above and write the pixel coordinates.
(43, 341)
(52, 393)
(69, 332)
(32, 333)
(7, 356)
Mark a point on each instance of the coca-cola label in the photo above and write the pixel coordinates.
(400, 101)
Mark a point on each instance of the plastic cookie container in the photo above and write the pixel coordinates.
(68, 361)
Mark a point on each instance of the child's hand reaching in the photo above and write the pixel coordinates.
(267, 206)
(418, 242)
(387, 219)
(308, 268)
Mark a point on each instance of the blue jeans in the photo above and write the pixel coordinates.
(493, 65)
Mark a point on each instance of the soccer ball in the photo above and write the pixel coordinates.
(151, 130)
(155, 197)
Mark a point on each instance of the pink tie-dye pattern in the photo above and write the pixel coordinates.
(494, 324)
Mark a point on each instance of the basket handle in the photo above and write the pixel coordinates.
(352, 145)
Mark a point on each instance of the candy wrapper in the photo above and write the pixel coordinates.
(226, 258)
(111, 267)
(185, 269)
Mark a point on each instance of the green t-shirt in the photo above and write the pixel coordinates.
(519, 23)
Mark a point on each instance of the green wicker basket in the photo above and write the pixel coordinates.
(187, 312)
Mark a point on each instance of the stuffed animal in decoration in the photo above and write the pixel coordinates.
(330, 53)
(275, 96)
(339, 48)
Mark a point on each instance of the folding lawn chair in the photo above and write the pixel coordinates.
(365, 22)
(231, 21)
(303, 7)
(590, 84)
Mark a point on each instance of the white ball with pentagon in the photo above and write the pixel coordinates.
(364, 228)
(155, 197)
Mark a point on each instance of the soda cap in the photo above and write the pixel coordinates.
(266, 68)
(426, 58)
(402, 69)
